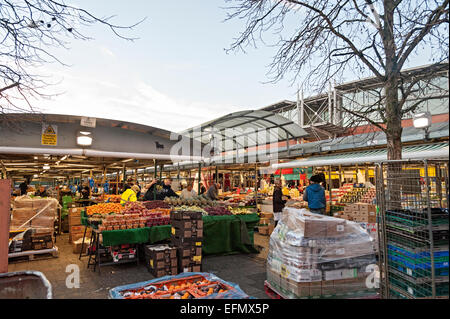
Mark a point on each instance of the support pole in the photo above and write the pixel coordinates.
(199, 176)
(340, 176)
(156, 175)
(329, 185)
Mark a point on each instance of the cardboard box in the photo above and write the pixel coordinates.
(315, 288)
(340, 274)
(74, 220)
(270, 229)
(336, 228)
(273, 277)
(263, 230)
(266, 215)
(328, 288)
(347, 209)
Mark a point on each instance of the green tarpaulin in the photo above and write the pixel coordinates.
(136, 236)
(229, 234)
(221, 234)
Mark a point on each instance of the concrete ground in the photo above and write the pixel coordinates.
(248, 271)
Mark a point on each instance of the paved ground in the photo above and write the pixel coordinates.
(248, 271)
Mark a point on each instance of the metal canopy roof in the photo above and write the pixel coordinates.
(238, 127)
(429, 151)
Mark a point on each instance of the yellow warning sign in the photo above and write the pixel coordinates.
(49, 135)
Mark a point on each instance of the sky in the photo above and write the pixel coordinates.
(175, 76)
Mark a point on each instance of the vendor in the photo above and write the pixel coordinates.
(213, 192)
(42, 192)
(278, 202)
(162, 190)
(314, 194)
(130, 195)
(188, 192)
(202, 189)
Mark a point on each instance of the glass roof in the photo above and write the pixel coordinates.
(246, 129)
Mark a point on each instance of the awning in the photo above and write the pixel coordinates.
(246, 129)
(418, 152)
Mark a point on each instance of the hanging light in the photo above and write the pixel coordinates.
(84, 138)
(422, 120)
(46, 167)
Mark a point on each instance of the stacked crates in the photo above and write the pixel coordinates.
(410, 264)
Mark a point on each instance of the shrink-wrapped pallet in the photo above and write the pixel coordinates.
(36, 213)
(313, 255)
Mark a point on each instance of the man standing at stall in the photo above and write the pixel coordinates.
(314, 194)
(162, 190)
(213, 192)
(278, 202)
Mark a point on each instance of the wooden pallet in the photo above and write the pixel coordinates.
(31, 255)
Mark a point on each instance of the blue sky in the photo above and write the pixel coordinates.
(175, 76)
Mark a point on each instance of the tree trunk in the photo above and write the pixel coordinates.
(393, 120)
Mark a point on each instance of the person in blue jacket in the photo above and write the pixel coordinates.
(315, 196)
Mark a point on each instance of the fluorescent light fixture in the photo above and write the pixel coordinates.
(46, 167)
(63, 158)
(35, 175)
(84, 138)
(35, 157)
(422, 120)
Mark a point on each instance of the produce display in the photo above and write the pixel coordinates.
(119, 221)
(156, 204)
(240, 211)
(104, 209)
(111, 198)
(190, 209)
(200, 201)
(190, 288)
(217, 211)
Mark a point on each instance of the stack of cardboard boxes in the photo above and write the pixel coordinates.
(267, 224)
(187, 237)
(314, 256)
(359, 212)
(161, 260)
(42, 241)
(76, 230)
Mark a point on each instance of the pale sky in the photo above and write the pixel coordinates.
(177, 75)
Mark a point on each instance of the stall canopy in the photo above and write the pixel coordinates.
(428, 151)
(236, 129)
(28, 142)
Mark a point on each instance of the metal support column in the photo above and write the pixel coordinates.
(430, 230)
(329, 186)
(199, 176)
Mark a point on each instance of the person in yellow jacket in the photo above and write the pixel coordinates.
(130, 195)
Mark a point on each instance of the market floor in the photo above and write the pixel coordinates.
(248, 271)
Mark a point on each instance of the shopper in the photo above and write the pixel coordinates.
(314, 194)
(213, 192)
(188, 192)
(85, 192)
(24, 187)
(278, 202)
(130, 195)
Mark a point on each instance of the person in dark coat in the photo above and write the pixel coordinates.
(163, 190)
(278, 202)
(24, 187)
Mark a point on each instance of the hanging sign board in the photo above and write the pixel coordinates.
(88, 122)
(49, 135)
